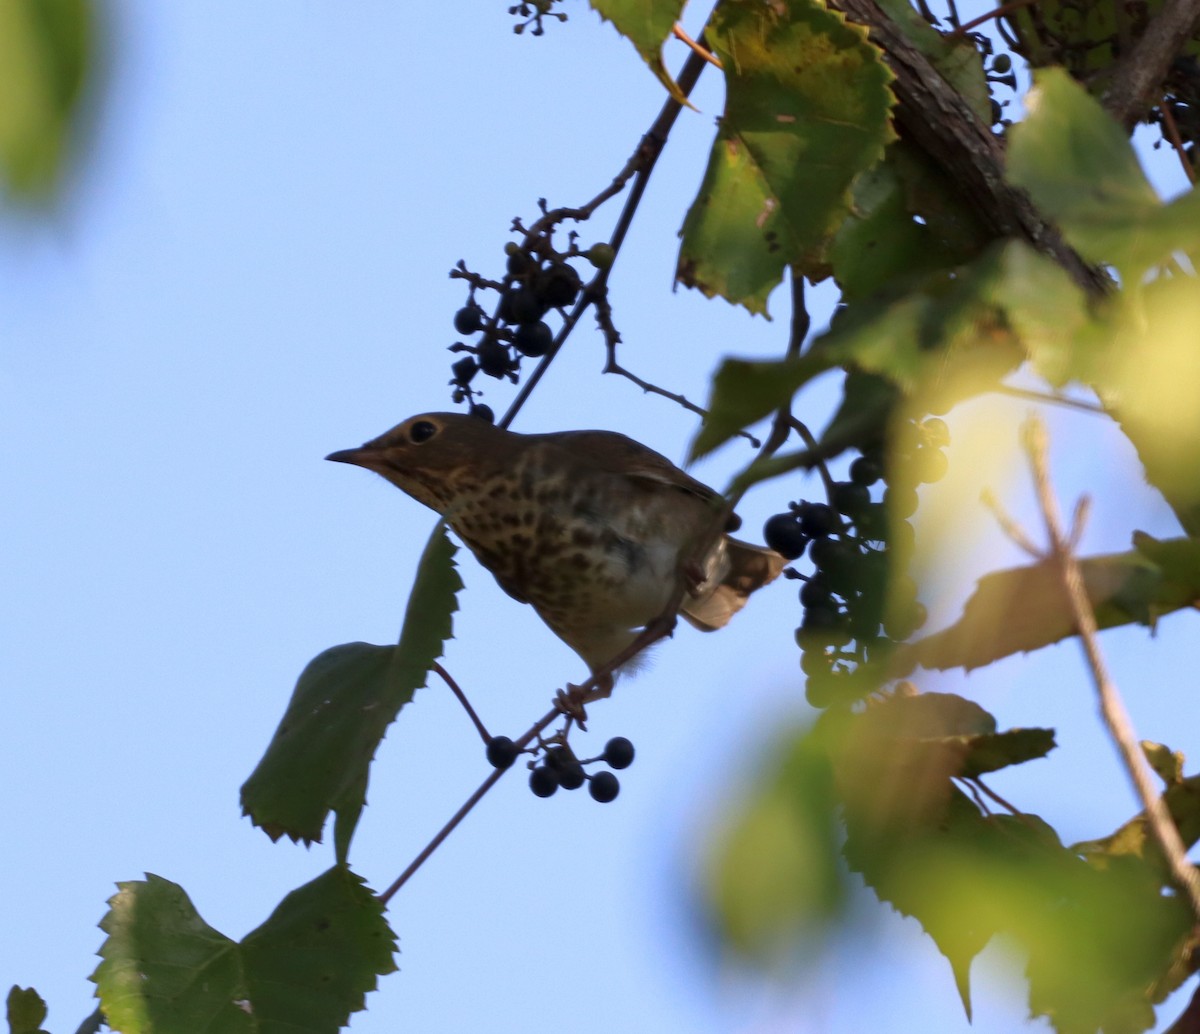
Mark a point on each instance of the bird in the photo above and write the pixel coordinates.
(597, 532)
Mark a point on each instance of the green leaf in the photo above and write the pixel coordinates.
(1148, 379)
(744, 392)
(1182, 799)
(26, 1011)
(45, 55)
(807, 109)
(1025, 608)
(1167, 763)
(772, 878)
(306, 969)
(646, 24)
(734, 216)
(1079, 167)
(319, 757)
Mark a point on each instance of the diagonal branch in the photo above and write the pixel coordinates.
(1112, 708)
(1138, 76)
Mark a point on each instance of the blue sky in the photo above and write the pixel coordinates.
(248, 271)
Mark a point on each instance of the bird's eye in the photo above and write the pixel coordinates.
(421, 431)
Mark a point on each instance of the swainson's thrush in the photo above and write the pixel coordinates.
(595, 531)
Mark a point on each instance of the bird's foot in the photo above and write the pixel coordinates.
(572, 701)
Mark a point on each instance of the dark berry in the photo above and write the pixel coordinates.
(618, 753)
(464, 369)
(501, 752)
(493, 357)
(821, 690)
(816, 662)
(565, 767)
(930, 465)
(817, 520)
(901, 503)
(543, 781)
(518, 262)
(484, 412)
(815, 592)
(558, 286)
(1001, 64)
(518, 305)
(850, 498)
(533, 339)
(866, 470)
(468, 319)
(782, 533)
(604, 787)
(872, 522)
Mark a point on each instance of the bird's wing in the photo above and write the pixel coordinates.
(617, 454)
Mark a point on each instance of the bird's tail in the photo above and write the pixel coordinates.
(737, 569)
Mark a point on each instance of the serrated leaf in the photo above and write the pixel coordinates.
(807, 109)
(990, 752)
(320, 756)
(26, 1011)
(646, 24)
(1079, 167)
(45, 54)
(1135, 838)
(306, 969)
(1025, 608)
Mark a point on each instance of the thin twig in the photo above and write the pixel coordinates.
(981, 785)
(1112, 708)
(1010, 527)
(462, 699)
(1048, 397)
(612, 338)
(678, 32)
(999, 12)
(645, 157)
(1172, 128)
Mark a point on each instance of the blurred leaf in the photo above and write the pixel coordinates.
(1167, 763)
(344, 701)
(744, 392)
(1148, 381)
(807, 109)
(1080, 168)
(306, 969)
(1025, 608)
(646, 24)
(26, 1011)
(45, 54)
(772, 877)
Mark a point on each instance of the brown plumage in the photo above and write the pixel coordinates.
(590, 528)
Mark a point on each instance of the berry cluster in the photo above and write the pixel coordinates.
(538, 281)
(560, 767)
(534, 12)
(859, 601)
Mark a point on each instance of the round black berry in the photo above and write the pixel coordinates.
(866, 470)
(464, 369)
(817, 520)
(484, 412)
(518, 262)
(815, 592)
(850, 498)
(565, 767)
(558, 286)
(782, 533)
(468, 319)
(816, 661)
(901, 503)
(1001, 64)
(493, 357)
(501, 752)
(821, 690)
(618, 753)
(604, 787)
(543, 781)
(533, 339)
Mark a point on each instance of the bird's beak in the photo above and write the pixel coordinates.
(360, 457)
